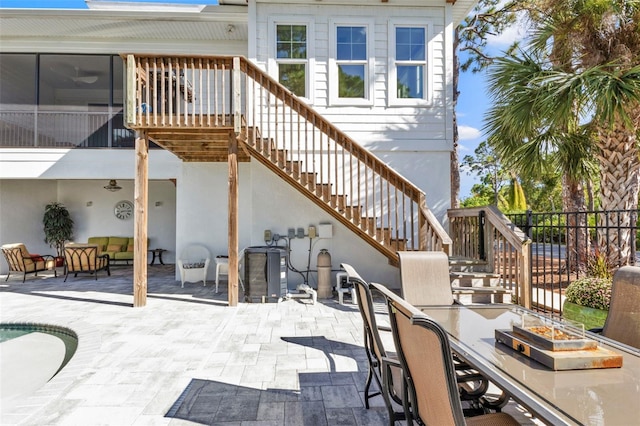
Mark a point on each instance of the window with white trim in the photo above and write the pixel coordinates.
(408, 64)
(350, 63)
(292, 57)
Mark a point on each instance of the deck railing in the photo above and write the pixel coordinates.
(485, 234)
(283, 131)
(63, 129)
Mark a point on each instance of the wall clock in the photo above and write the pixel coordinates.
(123, 210)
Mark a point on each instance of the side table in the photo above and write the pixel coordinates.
(157, 252)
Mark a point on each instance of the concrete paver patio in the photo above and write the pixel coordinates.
(187, 358)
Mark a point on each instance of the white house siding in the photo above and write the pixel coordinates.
(415, 141)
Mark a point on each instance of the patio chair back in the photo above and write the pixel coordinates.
(623, 320)
(388, 375)
(424, 276)
(84, 258)
(425, 356)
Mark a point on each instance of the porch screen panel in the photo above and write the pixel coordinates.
(17, 99)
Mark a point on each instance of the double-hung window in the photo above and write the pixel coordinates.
(408, 64)
(292, 57)
(350, 64)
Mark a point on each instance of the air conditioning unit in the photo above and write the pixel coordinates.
(265, 274)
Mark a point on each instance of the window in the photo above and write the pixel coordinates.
(351, 58)
(408, 61)
(291, 57)
(350, 73)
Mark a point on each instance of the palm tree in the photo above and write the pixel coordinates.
(576, 93)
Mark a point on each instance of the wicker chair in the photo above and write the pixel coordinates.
(623, 320)
(194, 263)
(383, 363)
(21, 261)
(84, 258)
(425, 356)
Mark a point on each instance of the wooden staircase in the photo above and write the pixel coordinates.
(194, 107)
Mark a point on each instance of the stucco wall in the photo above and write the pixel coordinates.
(194, 210)
(265, 202)
(22, 204)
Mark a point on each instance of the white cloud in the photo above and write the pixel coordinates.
(468, 132)
(516, 32)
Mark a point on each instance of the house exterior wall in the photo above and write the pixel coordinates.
(414, 140)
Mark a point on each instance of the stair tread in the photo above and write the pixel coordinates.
(471, 290)
(454, 260)
(458, 274)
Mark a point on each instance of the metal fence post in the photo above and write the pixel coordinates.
(481, 234)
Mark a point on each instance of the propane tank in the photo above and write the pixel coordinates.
(324, 275)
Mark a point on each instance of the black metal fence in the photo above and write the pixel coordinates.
(567, 246)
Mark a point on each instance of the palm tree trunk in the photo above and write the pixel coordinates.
(454, 160)
(578, 242)
(619, 183)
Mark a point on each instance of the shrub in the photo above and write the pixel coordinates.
(590, 292)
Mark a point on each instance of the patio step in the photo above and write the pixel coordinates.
(474, 279)
(473, 282)
(465, 264)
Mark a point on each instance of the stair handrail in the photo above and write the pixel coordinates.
(506, 247)
(285, 95)
(168, 91)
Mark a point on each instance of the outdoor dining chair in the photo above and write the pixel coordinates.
(383, 363)
(424, 277)
(425, 356)
(623, 320)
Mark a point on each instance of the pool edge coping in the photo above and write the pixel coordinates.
(89, 341)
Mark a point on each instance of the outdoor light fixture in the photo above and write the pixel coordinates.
(113, 186)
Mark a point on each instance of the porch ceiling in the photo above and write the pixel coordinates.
(225, 23)
(197, 145)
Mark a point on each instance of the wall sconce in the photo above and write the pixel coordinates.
(113, 186)
(89, 203)
(158, 203)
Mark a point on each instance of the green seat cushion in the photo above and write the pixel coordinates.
(124, 255)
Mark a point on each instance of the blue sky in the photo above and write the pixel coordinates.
(472, 102)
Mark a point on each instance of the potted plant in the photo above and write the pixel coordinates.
(58, 228)
(588, 299)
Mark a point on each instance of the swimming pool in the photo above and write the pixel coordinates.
(31, 355)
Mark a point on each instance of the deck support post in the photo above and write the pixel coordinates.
(233, 184)
(141, 198)
(233, 220)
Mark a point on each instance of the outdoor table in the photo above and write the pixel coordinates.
(608, 396)
(157, 252)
